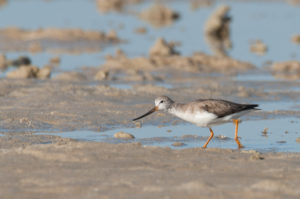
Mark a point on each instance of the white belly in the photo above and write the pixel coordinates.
(202, 119)
(206, 119)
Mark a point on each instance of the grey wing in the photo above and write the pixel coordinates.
(222, 108)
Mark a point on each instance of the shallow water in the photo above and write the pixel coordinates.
(280, 136)
(280, 105)
(255, 77)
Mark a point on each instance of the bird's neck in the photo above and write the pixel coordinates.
(174, 108)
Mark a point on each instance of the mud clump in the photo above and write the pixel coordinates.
(105, 6)
(141, 30)
(286, 70)
(296, 39)
(162, 48)
(102, 75)
(123, 135)
(3, 3)
(195, 4)
(112, 36)
(258, 47)
(265, 132)
(5, 63)
(217, 30)
(26, 72)
(257, 156)
(55, 60)
(44, 73)
(178, 144)
(20, 61)
(158, 15)
(218, 23)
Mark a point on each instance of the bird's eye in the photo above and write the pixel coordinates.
(162, 101)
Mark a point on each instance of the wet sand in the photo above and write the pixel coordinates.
(34, 166)
(82, 104)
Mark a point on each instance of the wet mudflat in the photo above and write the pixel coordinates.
(89, 74)
(39, 157)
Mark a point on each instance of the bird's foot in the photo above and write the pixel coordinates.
(239, 144)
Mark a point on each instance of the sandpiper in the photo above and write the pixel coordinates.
(204, 112)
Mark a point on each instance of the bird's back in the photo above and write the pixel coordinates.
(220, 107)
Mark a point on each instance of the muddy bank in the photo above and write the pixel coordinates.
(55, 40)
(163, 56)
(286, 70)
(93, 170)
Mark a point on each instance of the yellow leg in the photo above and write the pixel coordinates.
(236, 122)
(210, 137)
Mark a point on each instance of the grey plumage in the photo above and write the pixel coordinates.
(222, 108)
(218, 107)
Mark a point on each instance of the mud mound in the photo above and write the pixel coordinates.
(258, 47)
(217, 30)
(162, 48)
(25, 72)
(159, 15)
(296, 39)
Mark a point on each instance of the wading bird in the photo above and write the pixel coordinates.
(204, 112)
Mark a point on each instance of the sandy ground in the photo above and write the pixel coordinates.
(68, 169)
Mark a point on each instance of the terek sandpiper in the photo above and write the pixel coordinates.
(204, 112)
